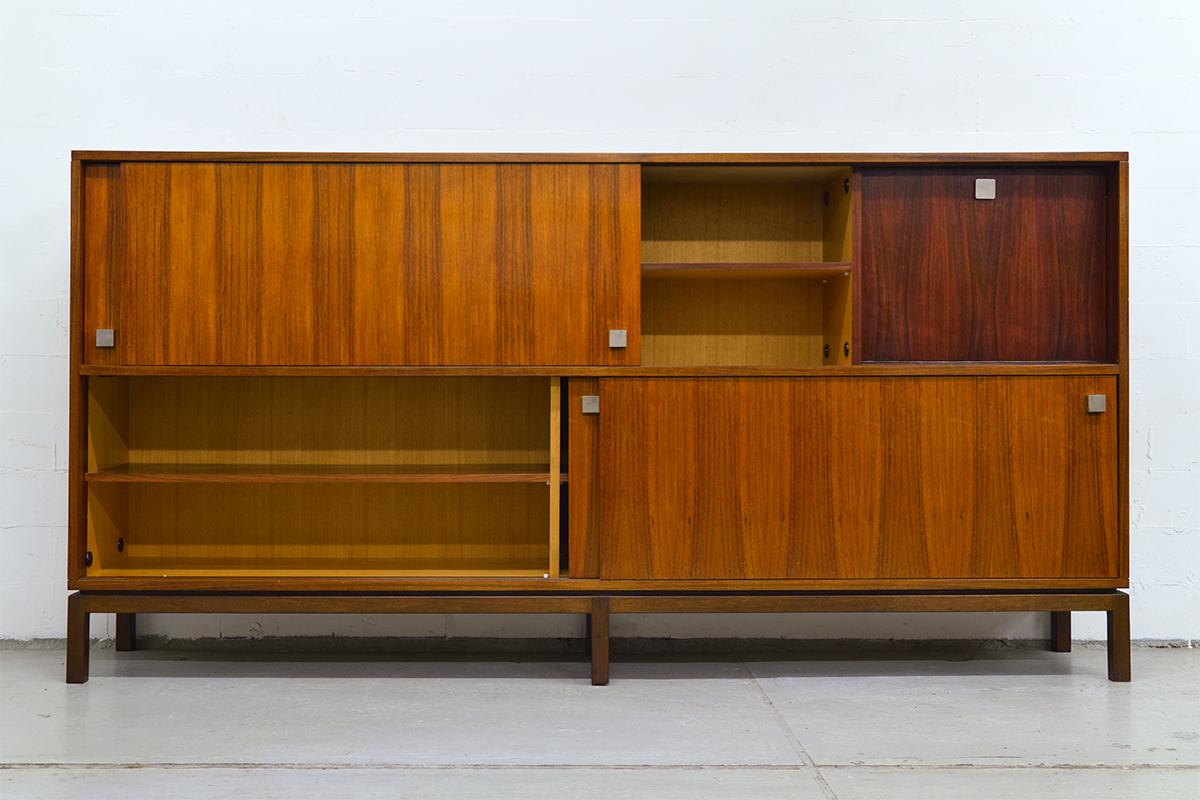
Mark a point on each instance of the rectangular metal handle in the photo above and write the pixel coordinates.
(1097, 403)
(104, 337)
(618, 338)
(591, 404)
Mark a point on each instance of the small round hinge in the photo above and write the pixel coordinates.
(827, 350)
(846, 186)
(845, 348)
(87, 558)
(120, 544)
(826, 198)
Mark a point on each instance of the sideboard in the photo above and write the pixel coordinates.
(598, 384)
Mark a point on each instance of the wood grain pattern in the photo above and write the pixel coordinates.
(1119, 258)
(420, 475)
(735, 270)
(731, 222)
(837, 319)
(339, 264)
(895, 369)
(858, 479)
(583, 487)
(322, 473)
(764, 322)
(837, 229)
(883, 602)
(77, 393)
(217, 530)
(947, 277)
(335, 582)
(555, 482)
(422, 423)
(787, 159)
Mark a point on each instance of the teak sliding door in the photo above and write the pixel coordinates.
(360, 263)
(856, 478)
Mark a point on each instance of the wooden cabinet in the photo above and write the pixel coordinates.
(857, 478)
(360, 263)
(987, 263)
(597, 384)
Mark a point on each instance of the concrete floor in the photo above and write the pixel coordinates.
(1009, 723)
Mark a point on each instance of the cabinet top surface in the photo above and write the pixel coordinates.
(629, 158)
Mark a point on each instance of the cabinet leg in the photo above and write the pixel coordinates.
(1060, 631)
(587, 636)
(1118, 640)
(126, 632)
(78, 632)
(598, 638)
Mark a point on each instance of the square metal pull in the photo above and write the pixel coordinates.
(591, 404)
(985, 188)
(617, 338)
(1097, 403)
(104, 337)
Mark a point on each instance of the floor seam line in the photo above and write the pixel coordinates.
(805, 758)
(114, 765)
(176, 765)
(1027, 767)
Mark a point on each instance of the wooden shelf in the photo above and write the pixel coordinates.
(890, 368)
(349, 568)
(323, 473)
(807, 269)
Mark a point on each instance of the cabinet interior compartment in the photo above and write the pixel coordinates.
(746, 266)
(231, 476)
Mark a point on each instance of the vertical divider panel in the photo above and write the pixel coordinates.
(583, 481)
(555, 472)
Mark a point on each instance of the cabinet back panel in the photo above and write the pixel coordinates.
(947, 277)
(731, 222)
(860, 478)
(322, 421)
(341, 264)
(732, 322)
(458, 528)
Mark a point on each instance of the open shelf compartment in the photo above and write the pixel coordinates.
(232, 476)
(746, 265)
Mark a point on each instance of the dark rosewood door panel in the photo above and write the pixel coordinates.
(857, 478)
(342, 264)
(945, 276)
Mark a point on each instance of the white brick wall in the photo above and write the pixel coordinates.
(634, 75)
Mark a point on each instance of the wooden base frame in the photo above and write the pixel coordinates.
(597, 609)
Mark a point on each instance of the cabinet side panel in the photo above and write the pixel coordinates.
(77, 392)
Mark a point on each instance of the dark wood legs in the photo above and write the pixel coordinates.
(598, 639)
(1118, 639)
(126, 632)
(1060, 631)
(77, 639)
